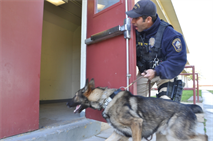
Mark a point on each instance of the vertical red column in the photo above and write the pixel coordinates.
(20, 53)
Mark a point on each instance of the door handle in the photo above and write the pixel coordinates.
(110, 33)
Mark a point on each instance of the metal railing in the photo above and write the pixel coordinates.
(193, 79)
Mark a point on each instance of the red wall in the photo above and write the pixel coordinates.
(20, 52)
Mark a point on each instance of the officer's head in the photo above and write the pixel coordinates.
(143, 14)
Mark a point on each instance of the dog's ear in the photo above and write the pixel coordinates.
(89, 87)
(86, 85)
(92, 83)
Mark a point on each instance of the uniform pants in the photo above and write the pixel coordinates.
(143, 85)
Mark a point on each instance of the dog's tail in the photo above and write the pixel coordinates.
(195, 108)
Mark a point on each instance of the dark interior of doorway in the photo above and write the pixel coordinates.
(60, 63)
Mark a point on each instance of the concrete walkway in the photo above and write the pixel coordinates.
(207, 106)
(208, 113)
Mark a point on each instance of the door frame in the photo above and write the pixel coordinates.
(83, 45)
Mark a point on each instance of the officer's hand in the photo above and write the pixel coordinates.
(150, 74)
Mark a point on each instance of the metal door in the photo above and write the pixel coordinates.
(20, 50)
(109, 60)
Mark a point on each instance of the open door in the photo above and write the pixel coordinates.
(20, 52)
(107, 59)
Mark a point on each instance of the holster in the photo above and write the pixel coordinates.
(174, 90)
(178, 89)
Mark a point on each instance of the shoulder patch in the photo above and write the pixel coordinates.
(177, 44)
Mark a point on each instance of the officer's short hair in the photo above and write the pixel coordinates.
(153, 18)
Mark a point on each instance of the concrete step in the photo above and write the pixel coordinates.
(75, 131)
(107, 132)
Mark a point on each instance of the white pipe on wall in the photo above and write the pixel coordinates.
(127, 51)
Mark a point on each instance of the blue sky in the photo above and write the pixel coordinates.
(196, 20)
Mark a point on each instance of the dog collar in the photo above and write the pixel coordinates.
(109, 99)
(106, 102)
(115, 93)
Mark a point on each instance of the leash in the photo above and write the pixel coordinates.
(125, 88)
(150, 138)
(149, 83)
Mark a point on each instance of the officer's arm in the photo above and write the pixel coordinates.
(175, 52)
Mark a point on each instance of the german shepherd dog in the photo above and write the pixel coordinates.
(140, 117)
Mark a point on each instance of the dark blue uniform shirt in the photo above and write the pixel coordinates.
(173, 49)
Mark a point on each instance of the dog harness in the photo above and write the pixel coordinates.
(107, 100)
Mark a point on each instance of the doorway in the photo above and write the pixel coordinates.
(60, 62)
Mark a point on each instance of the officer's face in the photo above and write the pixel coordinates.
(139, 24)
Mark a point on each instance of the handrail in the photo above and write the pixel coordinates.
(194, 88)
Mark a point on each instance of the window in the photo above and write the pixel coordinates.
(103, 4)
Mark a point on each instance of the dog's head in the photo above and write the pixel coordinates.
(80, 100)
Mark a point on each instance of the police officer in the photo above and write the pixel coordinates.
(161, 51)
